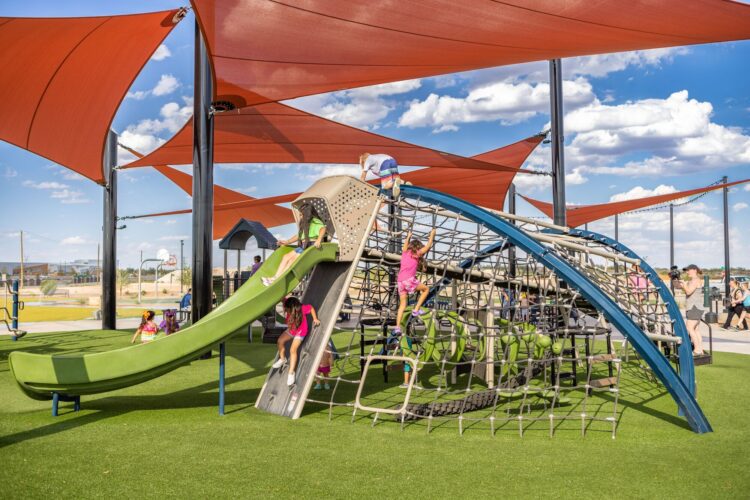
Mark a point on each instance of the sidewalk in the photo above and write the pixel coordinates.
(73, 326)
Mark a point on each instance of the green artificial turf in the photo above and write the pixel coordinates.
(164, 438)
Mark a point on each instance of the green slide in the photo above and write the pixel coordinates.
(40, 375)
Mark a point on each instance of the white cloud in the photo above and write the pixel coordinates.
(69, 197)
(174, 238)
(74, 240)
(506, 102)
(248, 190)
(677, 132)
(312, 172)
(44, 185)
(746, 188)
(143, 136)
(363, 107)
(166, 85)
(737, 207)
(170, 222)
(641, 192)
(10, 173)
(161, 53)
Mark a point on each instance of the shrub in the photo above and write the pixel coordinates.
(48, 287)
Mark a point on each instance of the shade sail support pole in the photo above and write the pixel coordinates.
(203, 181)
(512, 248)
(727, 269)
(109, 234)
(557, 140)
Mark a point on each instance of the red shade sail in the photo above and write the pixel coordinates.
(275, 133)
(580, 215)
(266, 212)
(272, 50)
(63, 79)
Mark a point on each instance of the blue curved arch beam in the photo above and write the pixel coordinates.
(642, 344)
(687, 368)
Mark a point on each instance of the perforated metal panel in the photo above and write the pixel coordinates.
(348, 202)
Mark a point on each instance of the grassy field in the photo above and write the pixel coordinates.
(31, 314)
(164, 438)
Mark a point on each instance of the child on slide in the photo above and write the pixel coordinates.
(383, 166)
(311, 227)
(296, 321)
(147, 330)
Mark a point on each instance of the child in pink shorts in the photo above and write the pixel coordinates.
(411, 256)
(324, 370)
(296, 321)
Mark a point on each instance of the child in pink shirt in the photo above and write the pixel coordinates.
(411, 256)
(296, 320)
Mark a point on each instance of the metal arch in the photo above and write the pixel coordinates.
(658, 363)
(687, 368)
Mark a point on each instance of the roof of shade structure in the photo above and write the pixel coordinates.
(583, 214)
(276, 133)
(63, 79)
(265, 51)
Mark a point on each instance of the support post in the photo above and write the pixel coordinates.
(55, 403)
(222, 356)
(557, 140)
(511, 247)
(14, 311)
(225, 277)
(617, 227)
(727, 269)
(109, 236)
(203, 180)
(182, 265)
(671, 235)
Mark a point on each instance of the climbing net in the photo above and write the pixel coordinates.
(503, 341)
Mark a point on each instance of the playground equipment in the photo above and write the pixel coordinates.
(10, 318)
(476, 354)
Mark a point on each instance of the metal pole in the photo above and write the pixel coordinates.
(617, 227)
(109, 237)
(238, 262)
(140, 266)
(14, 316)
(727, 273)
(225, 277)
(222, 356)
(22, 267)
(671, 235)
(182, 265)
(203, 180)
(512, 248)
(557, 139)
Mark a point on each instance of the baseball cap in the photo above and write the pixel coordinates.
(691, 266)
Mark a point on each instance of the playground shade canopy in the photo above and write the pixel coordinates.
(63, 79)
(264, 50)
(580, 215)
(276, 133)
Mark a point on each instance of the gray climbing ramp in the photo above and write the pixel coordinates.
(325, 291)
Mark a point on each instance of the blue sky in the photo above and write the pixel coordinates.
(636, 123)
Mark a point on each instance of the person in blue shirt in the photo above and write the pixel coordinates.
(186, 300)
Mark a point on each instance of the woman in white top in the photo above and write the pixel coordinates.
(693, 288)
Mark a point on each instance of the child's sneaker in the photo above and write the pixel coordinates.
(327, 387)
(290, 379)
(404, 386)
(417, 313)
(266, 281)
(278, 363)
(396, 188)
(316, 387)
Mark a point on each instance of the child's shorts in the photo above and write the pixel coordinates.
(324, 370)
(408, 286)
(388, 170)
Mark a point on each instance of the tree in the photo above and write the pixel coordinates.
(187, 276)
(123, 278)
(48, 287)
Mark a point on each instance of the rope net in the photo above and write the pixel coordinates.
(503, 342)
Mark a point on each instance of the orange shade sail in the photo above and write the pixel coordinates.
(580, 215)
(62, 80)
(272, 50)
(266, 212)
(276, 133)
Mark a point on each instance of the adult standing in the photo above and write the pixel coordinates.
(736, 296)
(694, 301)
